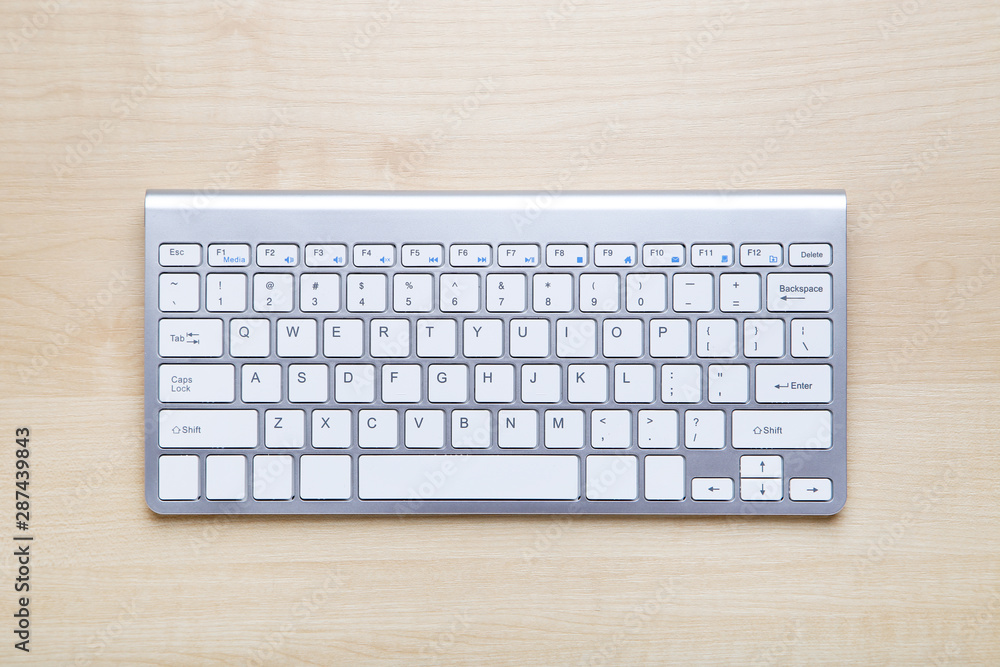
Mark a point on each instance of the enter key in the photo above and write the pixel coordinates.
(794, 383)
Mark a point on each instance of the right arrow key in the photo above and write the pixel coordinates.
(817, 489)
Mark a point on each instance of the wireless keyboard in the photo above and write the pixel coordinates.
(467, 353)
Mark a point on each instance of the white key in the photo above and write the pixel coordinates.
(760, 489)
(728, 383)
(760, 466)
(225, 477)
(494, 383)
(249, 338)
(657, 429)
(662, 254)
(566, 254)
(623, 338)
(635, 383)
(704, 429)
(716, 338)
(417, 477)
(693, 293)
(681, 383)
(760, 254)
(401, 383)
(412, 292)
(226, 292)
(389, 338)
(712, 488)
(521, 254)
(794, 383)
(277, 254)
(781, 429)
(799, 292)
(599, 292)
(564, 429)
(366, 292)
(378, 429)
(541, 383)
(197, 383)
(447, 383)
(470, 429)
(326, 254)
(810, 488)
(272, 477)
(812, 338)
(422, 254)
(468, 254)
(436, 338)
(612, 478)
(179, 292)
(180, 254)
(587, 383)
(424, 429)
(190, 338)
(331, 429)
(374, 254)
(711, 254)
(354, 383)
(272, 292)
(645, 292)
(260, 383)
(810, 254)
(763, 338)
(552, 292)
(739, 292)
(319, 292)
(610, 429)
(576, 338)
(669, 338)
(195, 429)
(343, 338)
(324, 477)
(459, 292)
(229, 254)
(296, 338)
(483, 338)
(308, 383)
(665, 478)
(529, 338)
(505, 292)
(517, 429)
(284, 429)
(178, 477)
(614, 254)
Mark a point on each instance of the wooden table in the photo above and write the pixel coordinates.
(896, 101)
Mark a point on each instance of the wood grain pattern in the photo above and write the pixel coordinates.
(896, 102)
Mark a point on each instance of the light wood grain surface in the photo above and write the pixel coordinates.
(896, 101)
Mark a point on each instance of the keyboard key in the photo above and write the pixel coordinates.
(517, 429)
(366, 292)
(326, 255)
(272, 477)
(529, 338)
(657, 429)
(564, 429)
(662, 254)
(226, 292)
(412, 292)
(794, 383)
(436, 338)
(197, 383)
(195, 429)
(354, 383)
(277, 254)
(459, 292)
(331, 429)
(423, 255)
(802, 292)
(308, 383)
(261, 383)
(587, 383)
(728, 383)
(179, 292)
(810, 489)
(448, 383)
(622, 338)
(324, 477)
(378, 429)
(599, 292)
(190, 338)
(225, 477)
(739, 292)
(760, 466)
(712, 254)
(319, 292)
(645, 292)
(612, 478)
(635, 383)
(782, 429)
(716, 338)
(178, 477)
(484, 477)
(669, 338)
(614, 254)
(284, 429)
(812, 338)
(249, 338)
(610, 429)
(810, 254)
(760, 254)
(552, 293)
(761, 490)
(296, 338)
(704, 429)
(424, 429)
(693, 293)
(389, 338)
(763, 338)
(494, 383)
(366, 255)
(523, 254)
(541, 383)
(471, 254)
(180, 254)
(681, 383)
(505, 292)
(343, 338)
(229, 254)
(576, 338)
(566, 254)
(272, 292)
(470, 429)
(712, 488)
(665, 478)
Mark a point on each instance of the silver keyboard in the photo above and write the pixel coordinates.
(496, 353)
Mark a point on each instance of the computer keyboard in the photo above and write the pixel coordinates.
(496, 353)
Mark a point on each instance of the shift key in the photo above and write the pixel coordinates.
(198, 429)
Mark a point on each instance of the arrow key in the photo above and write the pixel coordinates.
(817, 489)
(760, 466)
(760, 489)
(712, 488)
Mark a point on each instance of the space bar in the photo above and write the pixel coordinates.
(468, 477)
